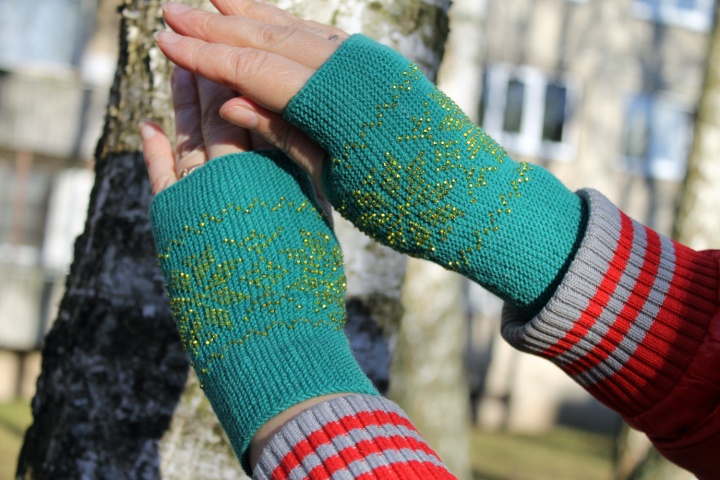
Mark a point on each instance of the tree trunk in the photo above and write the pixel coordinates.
(428, 378)
(697, 222)
(113, 366)
(104, 398)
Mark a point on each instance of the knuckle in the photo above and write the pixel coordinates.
(249, 62)
(287, 137)
(274, 35)
(200, 55)
(209, 22)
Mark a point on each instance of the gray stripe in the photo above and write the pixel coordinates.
(609, 316)
(573, 296)
(616, 302)
(352, 438)
(320, 415)
(579, 286)
(641, 326)
(389, 458)
(369, 463)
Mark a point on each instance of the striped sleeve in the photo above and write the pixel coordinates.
(352, 437)
(629, 315)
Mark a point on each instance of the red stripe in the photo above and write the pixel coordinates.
(410, 468)
(678, 329)
(602, 296)
(326, 433)
(627, 316)
(407, 470)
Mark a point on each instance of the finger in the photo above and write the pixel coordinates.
(257, 142)
(328, 32)
(158, 154)
(220, 136)
(280, 134)
(270, 80)
(189, 142)
(295, 41)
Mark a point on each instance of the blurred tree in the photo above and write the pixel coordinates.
(113, 368)
(697, 221)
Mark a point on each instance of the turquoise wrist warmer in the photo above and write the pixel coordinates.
(256, 284)
(408, 168)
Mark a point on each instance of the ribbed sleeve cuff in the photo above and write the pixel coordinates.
(356, 436)
(629, 315)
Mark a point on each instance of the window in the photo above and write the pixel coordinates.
(695, 14)
(657, 137)
(23, 207)
(529, 113)
(48, 32)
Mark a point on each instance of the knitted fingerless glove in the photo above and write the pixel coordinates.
(256, 284)
(408, 168)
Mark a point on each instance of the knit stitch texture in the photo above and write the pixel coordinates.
(256, 284)
(409, 168)
(630, 314)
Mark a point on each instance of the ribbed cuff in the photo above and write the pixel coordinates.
(629, 315)
(350, 437)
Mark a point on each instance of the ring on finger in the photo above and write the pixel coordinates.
(188, 171)
(332, 38)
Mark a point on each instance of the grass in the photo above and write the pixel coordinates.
(15, 417)
(561, 454)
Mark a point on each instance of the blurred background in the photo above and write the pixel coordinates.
(602, 93)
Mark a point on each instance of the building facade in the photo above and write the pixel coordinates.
(57, 59)
(601, 93)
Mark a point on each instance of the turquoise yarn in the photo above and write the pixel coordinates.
(409, 168)
(256, 285)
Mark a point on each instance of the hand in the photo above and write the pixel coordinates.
(261, 51)
(201, 134)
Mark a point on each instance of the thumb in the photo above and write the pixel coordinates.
(271, 126)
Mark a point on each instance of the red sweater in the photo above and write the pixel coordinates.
(635, 321)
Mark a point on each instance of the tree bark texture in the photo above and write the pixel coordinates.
(697, 222)
(113, 366)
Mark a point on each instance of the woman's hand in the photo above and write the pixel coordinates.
(262, 52)
(254, 48)
(201, 134)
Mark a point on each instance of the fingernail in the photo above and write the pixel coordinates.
(240, 116)
(167, 37)
(175, 8)
(146, 130)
